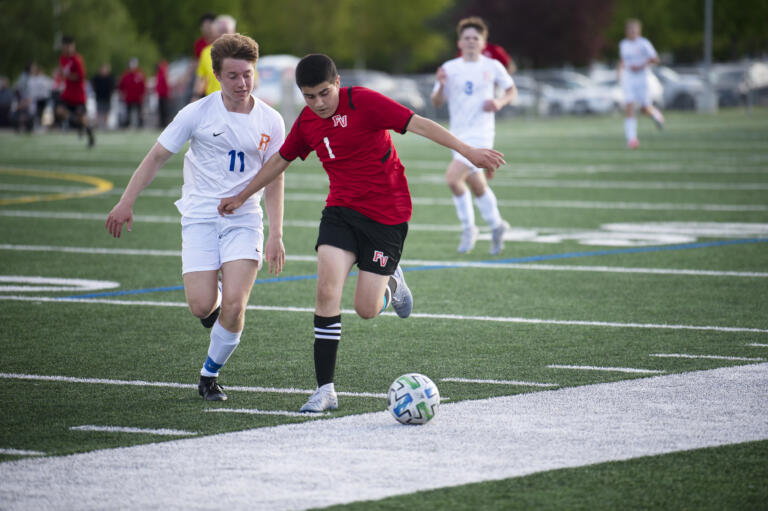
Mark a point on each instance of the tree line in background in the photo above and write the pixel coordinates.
(396, 36)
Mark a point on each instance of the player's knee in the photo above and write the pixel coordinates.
(367, 312)
(201, 309)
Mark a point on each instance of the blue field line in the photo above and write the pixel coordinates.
(514, 260)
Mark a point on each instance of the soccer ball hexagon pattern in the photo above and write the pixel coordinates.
(413, 399)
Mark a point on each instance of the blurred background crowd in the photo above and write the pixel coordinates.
(141, 57)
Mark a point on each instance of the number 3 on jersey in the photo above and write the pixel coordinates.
(328, 146)
(235, 154)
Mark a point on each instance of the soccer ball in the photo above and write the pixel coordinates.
(413, 399)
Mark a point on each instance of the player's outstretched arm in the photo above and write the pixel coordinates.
(488, 159)
(274, 251)
(122, 213)
(275, 166)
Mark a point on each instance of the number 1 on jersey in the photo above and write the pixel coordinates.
(328, 146)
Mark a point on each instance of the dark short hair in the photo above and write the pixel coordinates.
(208, 16)
(314, 69)
(233, 46)
(67, 39)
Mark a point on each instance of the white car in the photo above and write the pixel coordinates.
(572, 92)
(681, 91)
(277, 82)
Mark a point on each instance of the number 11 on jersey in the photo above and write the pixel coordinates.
(232, 155)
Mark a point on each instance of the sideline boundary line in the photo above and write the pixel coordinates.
(142, 383)
(499, 319)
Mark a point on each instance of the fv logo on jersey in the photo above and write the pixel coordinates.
(379, 257)
(339, 120)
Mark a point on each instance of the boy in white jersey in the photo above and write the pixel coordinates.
(232, 134)
(636, 54)
(468, 83)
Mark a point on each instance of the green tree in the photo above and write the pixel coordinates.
(103, 30)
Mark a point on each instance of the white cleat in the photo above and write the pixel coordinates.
(497, 237)
(323, 399)
(468, 239)
(402, 299)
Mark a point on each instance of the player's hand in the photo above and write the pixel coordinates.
(441, 76)
(491, 105)
(275, 254)
(228, 205)
(120, 214)
(488, 159)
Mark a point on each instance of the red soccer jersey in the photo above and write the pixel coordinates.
(356, 151)
(73, 72)
(132, 85)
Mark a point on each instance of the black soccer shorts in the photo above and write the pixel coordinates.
(378, 246)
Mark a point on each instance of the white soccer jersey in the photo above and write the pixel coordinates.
(226, 151)
(636, 53)
(468, 85)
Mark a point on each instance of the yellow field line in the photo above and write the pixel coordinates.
(99, 186)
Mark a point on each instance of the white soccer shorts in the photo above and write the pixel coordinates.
(207, 243)
(635, 89)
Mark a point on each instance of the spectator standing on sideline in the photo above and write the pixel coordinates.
(72, 99)
(6, 100)
(468, 83)
(103, 85)
(39, 87)
(24, 113)
(206, 82)
(132, 87)
(207, 34)
(636, 55)
(163, 94)
(206, 38)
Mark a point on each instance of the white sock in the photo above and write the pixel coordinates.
(329, 387)
(464, 209)
(489, 208)
(630, 128)
(223, 343)
(656, 114)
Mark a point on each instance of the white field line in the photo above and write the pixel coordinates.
(407, 262)
(302, 180)
(125, 429)
(21, 452)
(141, 383)
(758, 345)
(253, 411)
(453, 317)
(500, 382)
(606, 369)
(363, 457)
(706, 357)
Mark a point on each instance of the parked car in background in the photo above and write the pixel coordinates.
(403, 89)
(735, 84)
(531, 97)
(570, 92)
(680, 91)
(609, 78)
(277, 83)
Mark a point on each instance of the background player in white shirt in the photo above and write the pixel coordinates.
(468, 83)
(232, 134)
(636, 54)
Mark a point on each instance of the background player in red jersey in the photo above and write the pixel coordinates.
(365, 220)
(72, 71)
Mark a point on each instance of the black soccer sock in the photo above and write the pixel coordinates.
(327, 337)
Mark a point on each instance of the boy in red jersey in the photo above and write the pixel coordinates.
(365, 220)
(72, 71)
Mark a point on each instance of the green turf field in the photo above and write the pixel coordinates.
(621, 264)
